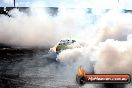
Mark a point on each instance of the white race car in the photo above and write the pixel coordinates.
(63, 45)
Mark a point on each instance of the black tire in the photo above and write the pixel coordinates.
(81, 80)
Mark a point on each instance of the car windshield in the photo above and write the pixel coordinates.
(66, 42)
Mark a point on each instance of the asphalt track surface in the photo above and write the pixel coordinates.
(37, 70)
(29, 69)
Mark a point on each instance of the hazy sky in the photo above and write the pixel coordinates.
(126, 4)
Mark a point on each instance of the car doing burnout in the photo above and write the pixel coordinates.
(63, 45)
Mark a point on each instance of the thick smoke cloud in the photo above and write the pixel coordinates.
(109, 47)
(114, 54)
(107, 40)
(114, 57)
(38, 28)
(115, 25)
(32, 30)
